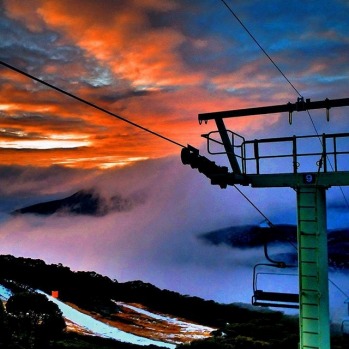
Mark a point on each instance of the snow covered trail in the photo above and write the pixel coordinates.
(185, 326)
(101, 329)
(95, 327)
(5, 293)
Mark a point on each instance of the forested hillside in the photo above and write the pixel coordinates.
(238, 327)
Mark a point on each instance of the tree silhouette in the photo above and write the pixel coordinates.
(4, 329)
(33, 319)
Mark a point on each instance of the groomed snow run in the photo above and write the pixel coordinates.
(185, 326)
(101, 329)
(92, 325)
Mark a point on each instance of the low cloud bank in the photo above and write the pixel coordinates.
(157, 241)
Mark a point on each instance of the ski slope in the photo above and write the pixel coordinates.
(92, 325)
(183, 325)
(101, 329)
(5, 293)
(182, 331)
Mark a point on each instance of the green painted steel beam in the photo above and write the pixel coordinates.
(293, 180)
(314, 320)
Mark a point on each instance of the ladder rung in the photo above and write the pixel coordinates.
(308, 262)
(311, 291)
(309, 276)
(310, 318)
(310, 332)
(310, 304)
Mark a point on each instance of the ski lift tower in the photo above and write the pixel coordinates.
(251, 162)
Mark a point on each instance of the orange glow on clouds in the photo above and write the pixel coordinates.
(140, 67)
(50, 142)
(122, 41)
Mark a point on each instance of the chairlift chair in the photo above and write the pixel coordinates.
(272, 299)
(345, 322)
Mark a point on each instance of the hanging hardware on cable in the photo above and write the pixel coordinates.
(217, 174)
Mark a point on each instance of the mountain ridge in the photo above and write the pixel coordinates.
(83, 202)
(248, 236)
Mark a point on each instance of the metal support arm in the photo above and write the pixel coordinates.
(300, 105)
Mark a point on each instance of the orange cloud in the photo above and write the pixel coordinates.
(159, 91)
(112, 142)
(118, 35)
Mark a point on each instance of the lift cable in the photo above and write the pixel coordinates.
(338, 288)
(332, 282)
(258, 44)
(270, 224)
(93, 105)
(281, 72)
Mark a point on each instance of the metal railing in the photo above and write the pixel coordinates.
(316, 153)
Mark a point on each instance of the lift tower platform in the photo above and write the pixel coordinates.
(310, 172)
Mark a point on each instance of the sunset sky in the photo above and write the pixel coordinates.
(156, 63)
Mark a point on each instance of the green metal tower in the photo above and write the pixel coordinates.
(249, 166)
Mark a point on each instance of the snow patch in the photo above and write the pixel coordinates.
(5, 293)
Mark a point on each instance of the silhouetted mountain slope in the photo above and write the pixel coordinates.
(94, 292)
(84, 202)
(239, 327)
(248, 236)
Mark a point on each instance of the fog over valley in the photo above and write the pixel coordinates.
(157, 239)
